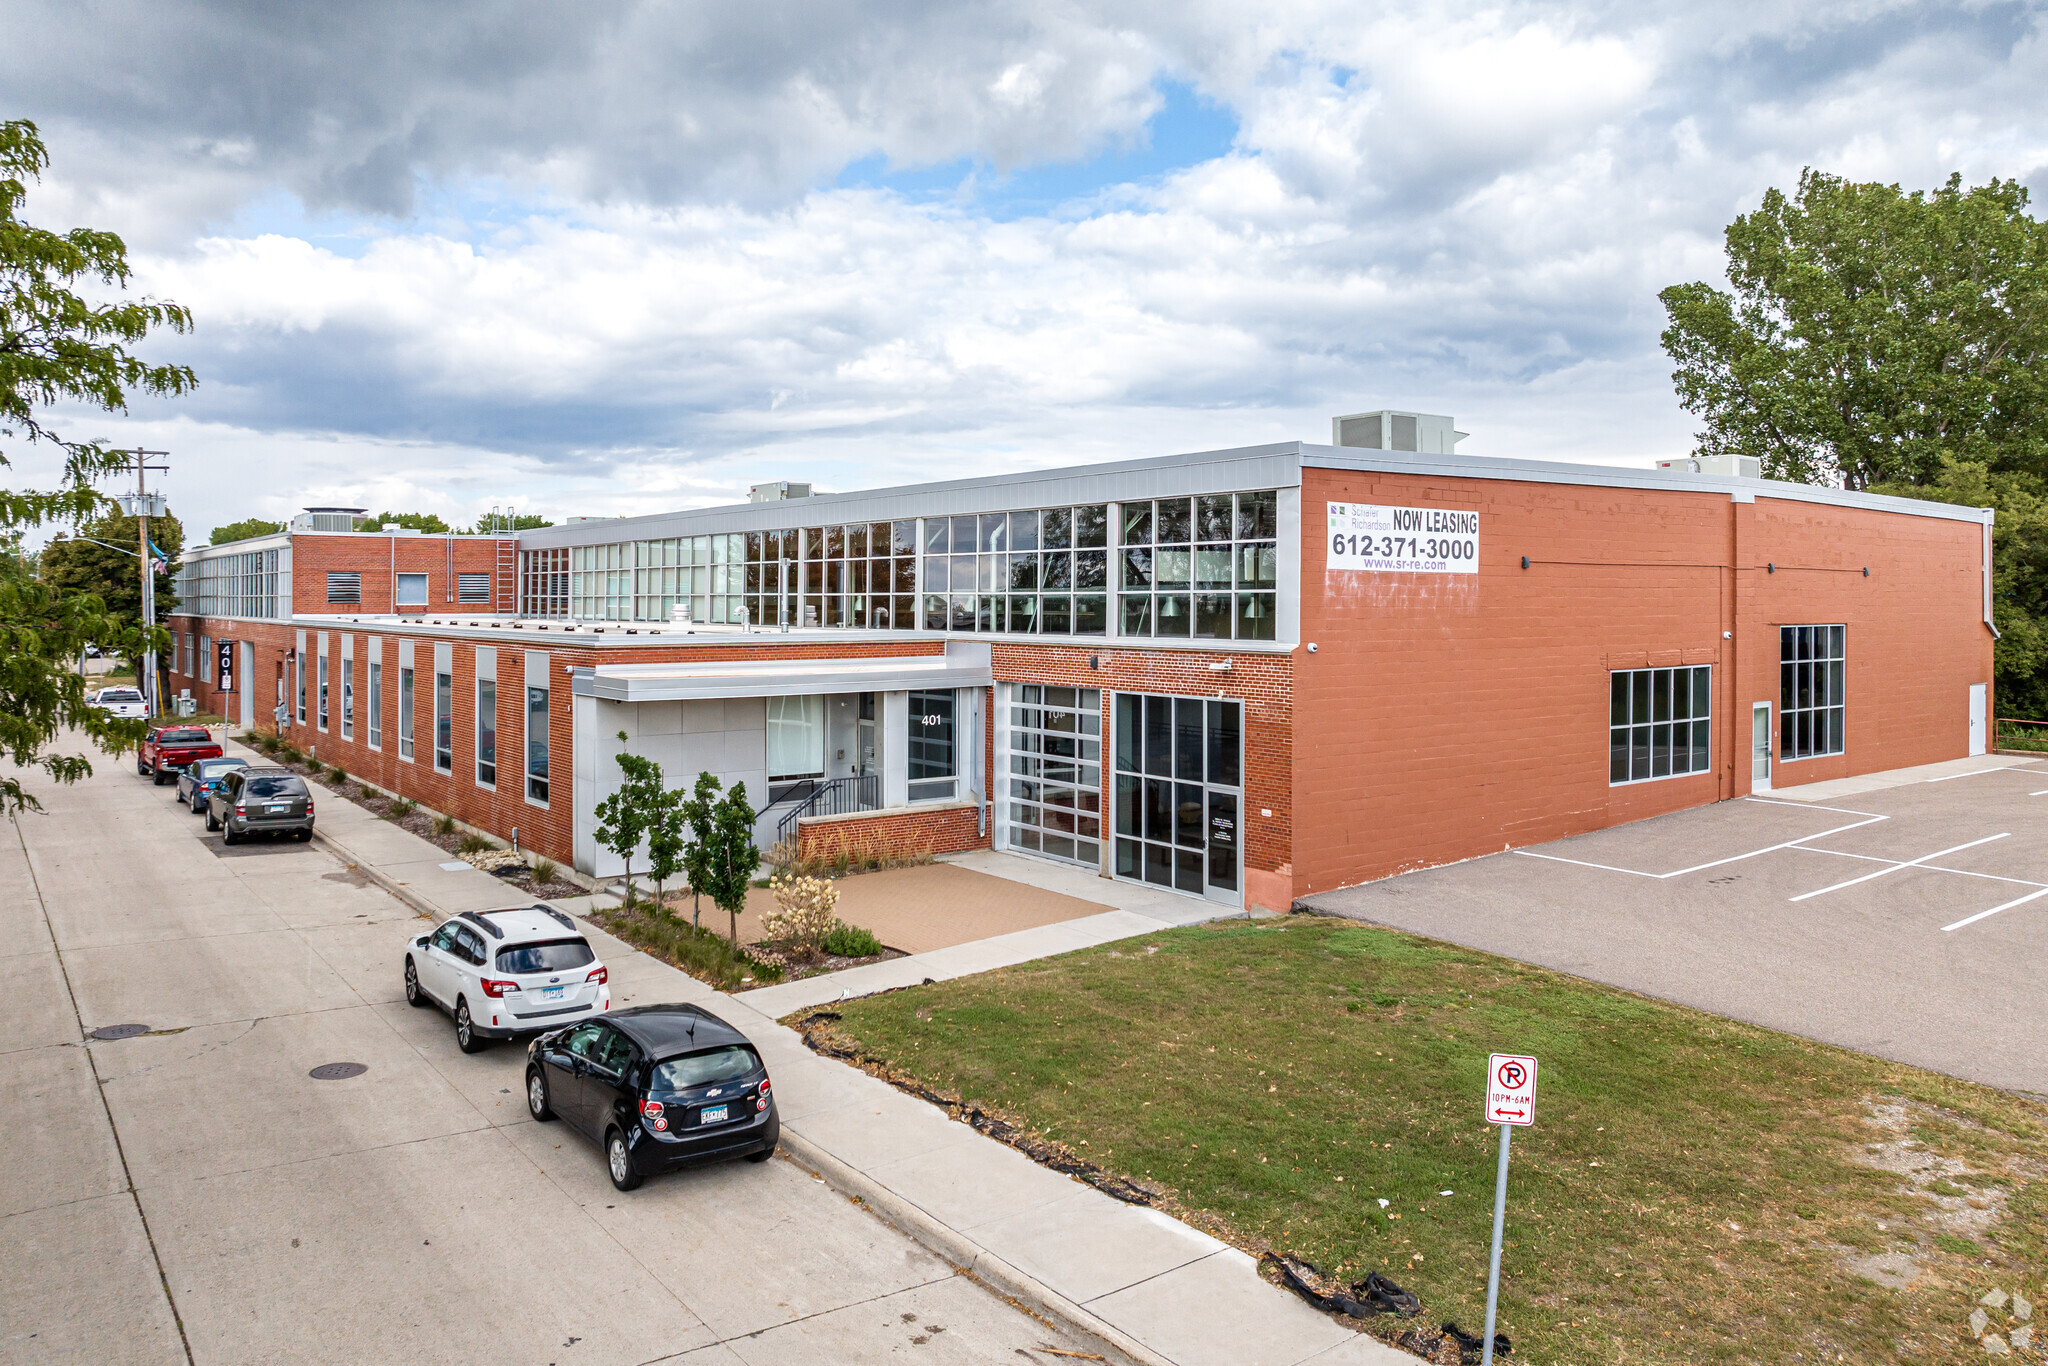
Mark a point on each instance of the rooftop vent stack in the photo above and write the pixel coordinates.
(1387, 430)
(778, 491)
(1735, 466)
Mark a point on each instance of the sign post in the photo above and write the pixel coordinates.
(1510, 1103)
(226, 649)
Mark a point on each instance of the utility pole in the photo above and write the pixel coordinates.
(141, 506)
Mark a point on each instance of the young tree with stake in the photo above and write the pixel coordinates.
(697, 813)
(733, 856)
(624, 818)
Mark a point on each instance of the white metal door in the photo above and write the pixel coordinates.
(245, 680)
(1976, 718)
(1760, 747)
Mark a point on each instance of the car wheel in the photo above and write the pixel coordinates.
(537, 1096)
(228, 835)
(413, 995)
(618, 1159)
(156, 777)
(763, 1155)
(306, 834)
(141, 768)
(466, 1037)
(211, 823)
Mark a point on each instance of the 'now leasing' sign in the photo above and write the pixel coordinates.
(1372, 538)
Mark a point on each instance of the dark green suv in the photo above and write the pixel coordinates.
(260, 801)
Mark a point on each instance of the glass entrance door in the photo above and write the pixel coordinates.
(1052, 764)
(1760, 747)
(1179, 793)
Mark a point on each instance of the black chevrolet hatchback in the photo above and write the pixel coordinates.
(656, 1087)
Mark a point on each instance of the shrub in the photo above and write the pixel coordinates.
(474, 843)
(338, 773)
(851, 941)
(289, 753)
(544, 871)
(444, 825)
(803, 913)
(401, 808)
(704, 954)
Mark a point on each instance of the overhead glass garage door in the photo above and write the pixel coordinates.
(1179, 786)
(1052, 763)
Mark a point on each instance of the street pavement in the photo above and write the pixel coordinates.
(193, 1195)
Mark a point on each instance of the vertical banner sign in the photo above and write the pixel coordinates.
(1510, 1102)
(1370, 538)
(227, 664)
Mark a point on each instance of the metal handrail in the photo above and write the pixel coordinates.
(834, 797)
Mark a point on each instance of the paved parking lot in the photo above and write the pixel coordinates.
(1903, 916)
(192, 1195)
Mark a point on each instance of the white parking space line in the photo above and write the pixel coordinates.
(1973, 773)
(2016, 901)
(1909, 863)
(1734, 858)
(1930, 867)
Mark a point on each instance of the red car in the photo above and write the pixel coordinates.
(167, 749)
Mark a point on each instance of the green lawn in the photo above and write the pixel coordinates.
(1694, 1190)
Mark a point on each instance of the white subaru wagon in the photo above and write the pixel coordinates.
(501, 973)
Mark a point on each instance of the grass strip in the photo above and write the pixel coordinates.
(704, 954)
(1694, 1189)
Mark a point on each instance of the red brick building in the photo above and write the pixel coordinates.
(1246, 675)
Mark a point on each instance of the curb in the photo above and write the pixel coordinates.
(963, 1252)
(376, 875)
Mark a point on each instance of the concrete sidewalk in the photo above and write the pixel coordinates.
(1161, 1292)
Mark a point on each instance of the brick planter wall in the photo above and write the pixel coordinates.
(901, 832)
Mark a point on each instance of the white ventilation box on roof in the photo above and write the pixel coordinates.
(1736, 466)
(1386, 430)
(777, 491)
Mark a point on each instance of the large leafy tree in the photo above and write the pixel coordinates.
(1897, 342)
(59, 347)
(243, 530)
(103, 560)
(428, 523)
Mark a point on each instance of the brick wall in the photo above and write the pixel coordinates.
(900, 833)
(1447, 716)
(380, 559)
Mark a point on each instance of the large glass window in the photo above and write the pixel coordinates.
(544, 583)
(1179, 787)
(1205, 567)
(375, 705)
(1052, 783)
(1045, 571)
(444, 722)
(1810, 697)
(537, 745)
(934, 774)
(796, 738)
(649, 580)
(487, 732)
(405, 713)
(1659, 723)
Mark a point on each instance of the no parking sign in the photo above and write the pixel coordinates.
(1510, 1089)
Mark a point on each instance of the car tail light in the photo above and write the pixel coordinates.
(241, 810)
(494, 988)
(653, 1111)
(761, 1103)
(598, 975)
(309, 806)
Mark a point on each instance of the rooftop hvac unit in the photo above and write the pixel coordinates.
(777, 492)
(1387, 430)
(1735, 466)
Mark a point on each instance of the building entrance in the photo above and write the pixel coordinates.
(1051, 762)
(1179, 793)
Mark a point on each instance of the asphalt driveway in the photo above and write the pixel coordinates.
(1904, 920)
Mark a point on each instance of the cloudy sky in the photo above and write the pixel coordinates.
(626, 257)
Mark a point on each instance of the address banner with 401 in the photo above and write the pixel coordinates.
(1369, 537)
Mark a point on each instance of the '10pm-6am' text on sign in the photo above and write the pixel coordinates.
(1375, 539)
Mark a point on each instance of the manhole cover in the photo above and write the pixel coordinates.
(126, 1031)
(338, 1071)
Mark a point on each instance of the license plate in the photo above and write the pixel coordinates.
(552, 993)
(713, 1114)
(285, 807)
